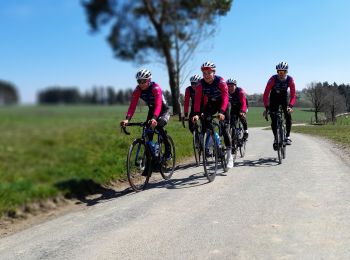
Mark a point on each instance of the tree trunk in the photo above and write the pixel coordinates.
(316, 118)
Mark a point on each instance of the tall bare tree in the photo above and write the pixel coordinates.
(315, 92)
(334, 103)
(171, 29)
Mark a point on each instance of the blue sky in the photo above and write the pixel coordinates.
(47, 42)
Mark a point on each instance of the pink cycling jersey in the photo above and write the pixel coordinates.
(152, 96)
(275, 84)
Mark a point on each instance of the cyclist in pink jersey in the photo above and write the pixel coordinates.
(189, 95)
(213, 90)
(276, 94)
(158, 113)
(239, 104)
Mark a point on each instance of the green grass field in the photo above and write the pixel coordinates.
(71, 150)
(339, 132)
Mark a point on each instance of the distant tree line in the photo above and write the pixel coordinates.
(256, 100)
(97, 95)
(332, 99)
(8, 93)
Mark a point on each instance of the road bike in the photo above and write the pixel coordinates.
(196, 141)
(281, 139)
(146, 156)
(237, 134)
(213, 147)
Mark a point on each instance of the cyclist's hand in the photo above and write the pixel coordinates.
(221, 117)
(124, 122)
(289, 109)
(153, 123)
(195, 118)
(265, 113)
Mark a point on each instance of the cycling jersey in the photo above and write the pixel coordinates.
(279, 88)
(152, 96)
(238, 99)
(215, 92)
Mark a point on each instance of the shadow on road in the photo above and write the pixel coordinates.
(91, 193)
(261, 162)
(88, 191)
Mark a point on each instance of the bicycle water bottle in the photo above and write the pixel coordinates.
(217, 139)
(151, 146)
(156, 149)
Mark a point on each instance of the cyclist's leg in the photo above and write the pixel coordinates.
(162, 121)
(226, 130)
(149, 116)
(288, 118)
(274, 104)
(190, 123)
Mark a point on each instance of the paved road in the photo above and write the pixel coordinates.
(257, 210)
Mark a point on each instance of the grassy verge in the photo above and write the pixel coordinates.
(72, 150)
(339, 132)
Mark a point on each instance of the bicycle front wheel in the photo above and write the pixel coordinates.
(138, 165)
(280, 145)
(196, 147)
(242, 141)
(210, 156)
(284, 143)
(234, 144)
(168, 165)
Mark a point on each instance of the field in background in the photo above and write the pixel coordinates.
(339, 132)
(71, 150)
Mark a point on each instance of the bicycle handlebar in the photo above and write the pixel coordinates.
(141, 124)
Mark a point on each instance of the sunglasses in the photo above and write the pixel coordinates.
(208, 73)
(193, 84)
(141, 81)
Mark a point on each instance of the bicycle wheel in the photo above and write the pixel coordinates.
(138, 165)
(168, 166)
(210, 156)
(196, 147)
(234, 144)
(283, 143)
(242, 142)
(222, 154)
(279, 144)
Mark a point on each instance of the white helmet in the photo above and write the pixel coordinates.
(282, 66)
(209, 65)
(143, 74)
(231, 81)
(195, 78)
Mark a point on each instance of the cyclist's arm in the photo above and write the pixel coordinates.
(267, 91)
(134, 99)
(224, 95)
(242, 98)
(158, 101)
(198, 99)
(187, 101)
(292, 92)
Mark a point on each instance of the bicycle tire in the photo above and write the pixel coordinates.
(165, 171)
(210, 167)
(139, 169)
(234, 144)
(284, 150)
(279, 145)
(242, 148)
(196, 150)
